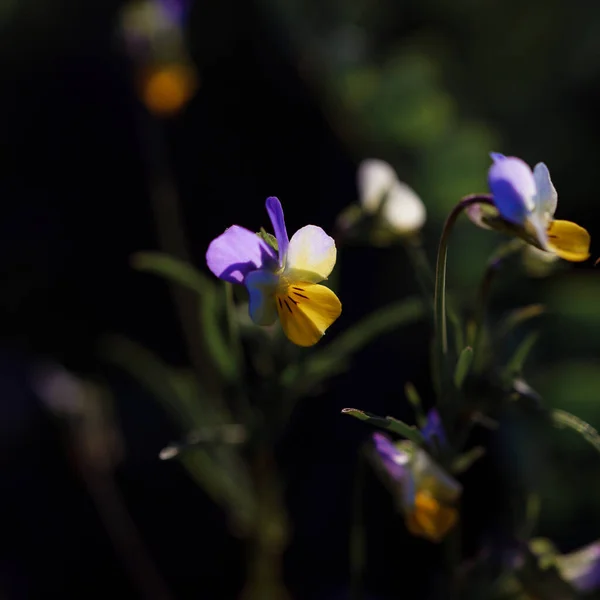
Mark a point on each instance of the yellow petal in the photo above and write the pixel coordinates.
(430, 519)
(569, 241)
(311, 255)
(306, 310)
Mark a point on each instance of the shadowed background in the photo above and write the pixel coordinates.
(292, 95)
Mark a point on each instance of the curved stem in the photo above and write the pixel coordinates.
(441, 330)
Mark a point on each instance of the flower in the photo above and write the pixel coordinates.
(381, 193)
(284, 281)
(154, 37)
(524, 205)
(433, 429)
(424, 491)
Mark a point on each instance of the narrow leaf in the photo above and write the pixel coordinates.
(462, 366)
(413, 397)
(514, 368)
(564, 419)
(174, 270)
(519, 316)
(211, 303)
(464, 462)
(388, 423)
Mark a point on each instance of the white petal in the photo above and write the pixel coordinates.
(311, 255)
(403, 210)
(546, 197)
(375, 178)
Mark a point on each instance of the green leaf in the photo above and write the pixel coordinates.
(332, 359)
(462, 366)
(514, 367)
(160, 380)
(174, 270)
(269, 238)
(212, 303)
(219, 470)
(464, 462)
(519, 316)
(388, 423)
(413, 397)
(564, 419)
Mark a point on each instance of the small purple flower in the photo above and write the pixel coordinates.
(434, 429)
(282, 283)
(525, 202)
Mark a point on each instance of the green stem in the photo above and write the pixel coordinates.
(270, 536)
(441, 330)
(357, 534)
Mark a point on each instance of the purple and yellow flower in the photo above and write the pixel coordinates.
(284, 281)
(524, 205)
(425, 493)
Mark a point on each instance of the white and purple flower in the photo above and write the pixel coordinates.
(524, 205)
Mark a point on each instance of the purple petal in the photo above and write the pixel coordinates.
(175, 10)
(392, 459)
(276, 215)
(513, 187)
(237, 252)
(434, 428)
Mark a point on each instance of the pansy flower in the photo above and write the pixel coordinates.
(153, 32)
(381, 192)
(282, 282)
(425, 493)
(388, 209)
(524, 205)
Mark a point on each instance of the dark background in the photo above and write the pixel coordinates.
(291, 97)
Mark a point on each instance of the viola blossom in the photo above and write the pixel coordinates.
(426, 494)
(393, 208)
(580, 568)
(381, 192)
(524, 205)
(282, 282)
(153, 33)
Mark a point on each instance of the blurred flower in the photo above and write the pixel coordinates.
(525, 203)
(580, 569)
(154, 38)
(381, 192)
(85, 407)
(388, 209)
(281, 275)
(433, 429)
(424, 491)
